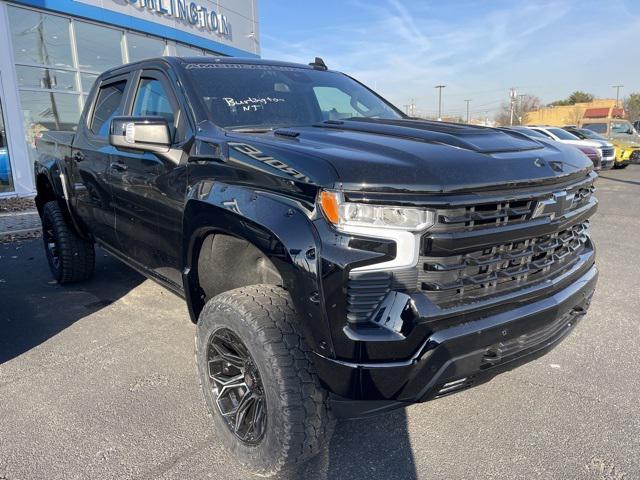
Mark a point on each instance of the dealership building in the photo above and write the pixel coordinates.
(51, 51)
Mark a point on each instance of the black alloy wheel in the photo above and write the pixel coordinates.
(237, 386)
(70, 258)
(51, 244)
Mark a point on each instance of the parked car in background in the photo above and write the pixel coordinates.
(608, 148)
(636, 125)
(5, 171)
(526, 131)
(621, 133)
(594, 150)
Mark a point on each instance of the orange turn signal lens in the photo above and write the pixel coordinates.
(330, 204)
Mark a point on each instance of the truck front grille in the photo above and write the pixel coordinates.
(481, 214)
(608, 152)
(500, 268)
(459, 264)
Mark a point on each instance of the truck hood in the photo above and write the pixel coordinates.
(583, 143)
(628, 141)
(420, 156)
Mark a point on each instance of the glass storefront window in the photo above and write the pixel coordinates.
(141, 47)
(99, 48)
(40, 38)
(49, 66)
(6, 182)
(34, 77)
(186, 51)
(43, 111)
(87, 79)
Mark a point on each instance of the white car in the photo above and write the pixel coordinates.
(606, 150)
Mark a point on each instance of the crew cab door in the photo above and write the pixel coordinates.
(149, 188)
(91, 155)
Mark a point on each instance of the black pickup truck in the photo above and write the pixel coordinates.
(340, 259)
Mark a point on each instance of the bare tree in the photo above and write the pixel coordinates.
(632, 106)
(525, 104)
(574, 116)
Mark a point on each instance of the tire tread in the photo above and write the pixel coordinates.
(307, 417)
(77, 256)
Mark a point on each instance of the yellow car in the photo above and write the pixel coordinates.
(626, 153)
(621, 133)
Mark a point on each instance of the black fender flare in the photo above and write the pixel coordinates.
(280, 227)
(50, 169)
(55, 172)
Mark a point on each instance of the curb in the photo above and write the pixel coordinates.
(15, 224)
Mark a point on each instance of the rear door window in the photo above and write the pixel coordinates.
(109, 104)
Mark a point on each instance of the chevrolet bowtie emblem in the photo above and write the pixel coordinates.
(554, 207)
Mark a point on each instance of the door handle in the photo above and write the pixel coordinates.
(121, 167)
(78, 156)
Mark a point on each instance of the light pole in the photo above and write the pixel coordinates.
(467, 109)
(617, 87)
(440, 87)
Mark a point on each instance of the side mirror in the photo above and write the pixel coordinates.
(147, 134)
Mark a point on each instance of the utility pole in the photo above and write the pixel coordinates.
(440, 87)
(520, 112)
(617, 87)
(410, 109)
(512, 100)
(468, 100)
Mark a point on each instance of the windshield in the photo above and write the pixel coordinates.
(621, 128)
(531, 133)
(590, 134)
(248, 96)
(596, 127)
(562, 134)
(543, 133)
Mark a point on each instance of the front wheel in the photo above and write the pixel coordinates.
(262, 391)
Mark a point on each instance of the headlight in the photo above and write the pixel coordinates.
(344, 214)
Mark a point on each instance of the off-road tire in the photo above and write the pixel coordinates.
(299, 422)
(75, 256)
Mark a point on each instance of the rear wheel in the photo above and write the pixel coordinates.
(258, 380)
(71, 258)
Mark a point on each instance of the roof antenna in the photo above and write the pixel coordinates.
(318, 64)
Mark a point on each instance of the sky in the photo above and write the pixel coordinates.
(478, 49)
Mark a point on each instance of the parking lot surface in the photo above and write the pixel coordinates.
(97, 380)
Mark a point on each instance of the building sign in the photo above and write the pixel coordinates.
(186, 11)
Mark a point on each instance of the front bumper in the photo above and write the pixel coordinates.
(460, 356)
(606, 164)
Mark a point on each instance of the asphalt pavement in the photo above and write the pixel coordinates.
(97, 381)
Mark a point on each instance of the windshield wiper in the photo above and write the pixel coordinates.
(252, 129)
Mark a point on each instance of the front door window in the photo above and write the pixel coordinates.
(6, 182)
